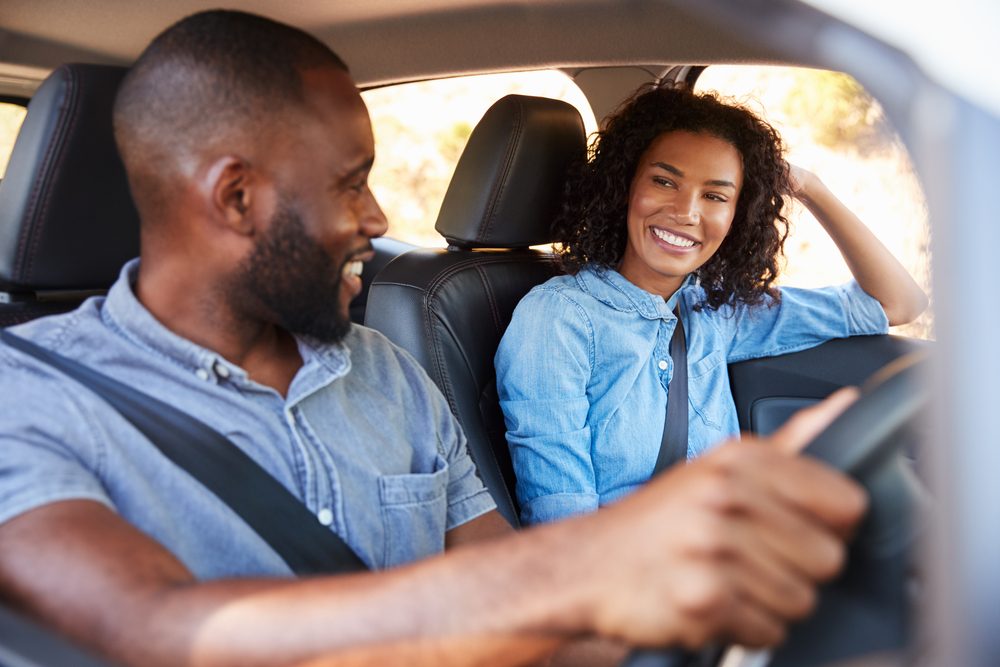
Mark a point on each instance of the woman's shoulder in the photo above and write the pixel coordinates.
(559, 300)
(564, 288)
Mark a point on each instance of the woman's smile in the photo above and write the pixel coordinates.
(681, 206)
(673, 241)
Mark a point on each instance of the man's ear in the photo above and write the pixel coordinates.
(229, 186)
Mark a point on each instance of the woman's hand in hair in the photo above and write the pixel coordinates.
(799, 180)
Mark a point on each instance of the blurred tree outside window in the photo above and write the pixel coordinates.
(11, 117)
(421, 129)
(833, 127)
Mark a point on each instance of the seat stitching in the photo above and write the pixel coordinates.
(473, 261)
(447, 388)
(39, 200)
(501, 184)
(490, 297)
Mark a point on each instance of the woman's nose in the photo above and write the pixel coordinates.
(686, 210)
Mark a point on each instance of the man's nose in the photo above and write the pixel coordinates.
(373, 222)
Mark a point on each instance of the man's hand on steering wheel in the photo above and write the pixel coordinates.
(733, 545)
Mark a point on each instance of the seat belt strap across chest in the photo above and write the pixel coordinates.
(674, 443)
(235, 478)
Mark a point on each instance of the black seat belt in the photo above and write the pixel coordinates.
(259, 499)
(674, 443)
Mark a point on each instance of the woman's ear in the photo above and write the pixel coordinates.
(229, 187)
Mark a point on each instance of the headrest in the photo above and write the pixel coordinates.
(509, 181)
(67, 220)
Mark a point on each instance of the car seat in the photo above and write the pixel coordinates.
(67, 222)
(449, 308)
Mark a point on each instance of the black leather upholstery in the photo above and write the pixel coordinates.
(385, 251)
(449, 308)
(67, 221)
(504, 192)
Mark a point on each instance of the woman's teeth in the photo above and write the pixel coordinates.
(672, 239)
(353, 268)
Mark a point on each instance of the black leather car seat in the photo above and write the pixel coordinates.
(67, 221)
(449, 308)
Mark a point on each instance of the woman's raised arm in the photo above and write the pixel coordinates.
(874, 267)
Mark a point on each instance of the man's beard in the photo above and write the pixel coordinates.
(293, 278)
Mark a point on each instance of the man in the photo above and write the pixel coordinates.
(248, 148)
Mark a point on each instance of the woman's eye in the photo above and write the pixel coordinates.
(715, 197)
(660, 180)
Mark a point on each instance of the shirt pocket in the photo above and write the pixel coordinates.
(414, 514)
(705, 381)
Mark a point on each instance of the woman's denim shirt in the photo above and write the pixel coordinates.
(583, 369)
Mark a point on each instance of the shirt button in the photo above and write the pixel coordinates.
(662, 365)
(325, 516)
(202, 374)
(221, 371)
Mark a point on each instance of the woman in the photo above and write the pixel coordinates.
(678, 210)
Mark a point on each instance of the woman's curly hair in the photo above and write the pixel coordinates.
(592, 225)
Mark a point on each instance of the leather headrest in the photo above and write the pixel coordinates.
(509, 181)
(67, 220)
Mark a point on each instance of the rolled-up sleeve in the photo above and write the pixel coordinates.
(467, 497)
(46, 453)
(543, 367)
(803, 318)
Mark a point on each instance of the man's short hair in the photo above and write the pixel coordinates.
(209, 78)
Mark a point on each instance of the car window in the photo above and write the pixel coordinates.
(11, 117)
(833, 127)
(420, 131)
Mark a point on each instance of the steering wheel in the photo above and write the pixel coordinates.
(866, 608)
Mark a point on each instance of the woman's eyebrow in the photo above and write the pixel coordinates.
(677, 172)
(669, 167)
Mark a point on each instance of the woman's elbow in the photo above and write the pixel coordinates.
(907, 309)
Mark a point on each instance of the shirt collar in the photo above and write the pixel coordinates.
(615, 290)
(124, 314)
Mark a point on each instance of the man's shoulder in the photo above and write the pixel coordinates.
(70, 334)
(375, 357)
(368, 345)
(37, 396)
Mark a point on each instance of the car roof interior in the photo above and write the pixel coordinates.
(417, 39)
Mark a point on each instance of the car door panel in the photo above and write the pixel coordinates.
(768, 391)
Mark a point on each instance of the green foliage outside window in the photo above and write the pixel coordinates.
(841, 111)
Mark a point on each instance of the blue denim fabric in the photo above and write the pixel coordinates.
(364, 439)
(583, 369)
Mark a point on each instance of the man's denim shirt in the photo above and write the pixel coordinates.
(583, 369)
(364, 439)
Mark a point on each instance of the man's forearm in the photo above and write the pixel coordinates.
(463, 609)
(503, 602)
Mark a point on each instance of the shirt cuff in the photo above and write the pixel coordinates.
(557, 506)
(865, 315)
(469, 508)
(18, 506)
